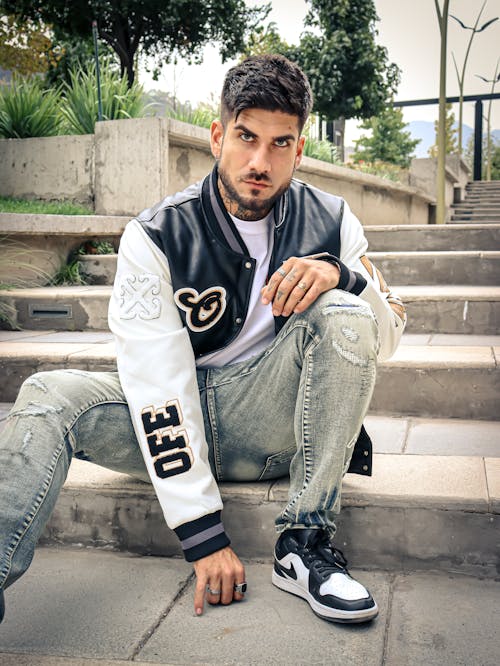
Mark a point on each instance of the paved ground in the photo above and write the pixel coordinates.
(94, 608)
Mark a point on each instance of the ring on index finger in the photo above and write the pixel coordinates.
(281, 272)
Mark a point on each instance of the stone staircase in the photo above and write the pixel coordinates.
(481, 204)
(434, 498)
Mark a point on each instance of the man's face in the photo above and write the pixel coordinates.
(257, 154)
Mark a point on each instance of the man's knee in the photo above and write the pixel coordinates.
(342, 314)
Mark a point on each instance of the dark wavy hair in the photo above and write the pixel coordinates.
(269, 82)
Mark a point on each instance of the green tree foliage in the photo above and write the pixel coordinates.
(349, 72)
(450, 134)
(388, 142)
(495, 162)
(159, 27)
(25, 48)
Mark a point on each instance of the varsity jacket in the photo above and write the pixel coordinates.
(181, 290)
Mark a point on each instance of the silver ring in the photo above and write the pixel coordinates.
(281, 272)
(302, 285)
(214, 592)
(241, 588)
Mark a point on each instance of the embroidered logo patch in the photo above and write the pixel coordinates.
(202, 310)
(138, 296)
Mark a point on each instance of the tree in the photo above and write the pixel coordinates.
(158, 27)
(349, 73)
(25, 47)
(450, 134)
(389, 142)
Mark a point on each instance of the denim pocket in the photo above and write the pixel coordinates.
(278, 464)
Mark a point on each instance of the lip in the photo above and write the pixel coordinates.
(259, 185)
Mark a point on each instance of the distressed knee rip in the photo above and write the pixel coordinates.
(37, 383)
(348, 336)
(35, 409)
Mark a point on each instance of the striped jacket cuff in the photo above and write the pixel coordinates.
(202, 537)
(351, 281)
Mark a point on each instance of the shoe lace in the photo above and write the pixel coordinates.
(323, 557)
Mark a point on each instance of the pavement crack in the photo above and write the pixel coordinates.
(152, 629)
(388, 620)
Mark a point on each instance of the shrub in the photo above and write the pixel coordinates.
(80, 104)
(26, 110)
(321, 149)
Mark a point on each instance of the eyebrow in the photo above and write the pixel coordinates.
(283, 137)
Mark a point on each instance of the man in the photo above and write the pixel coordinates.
(247, 322)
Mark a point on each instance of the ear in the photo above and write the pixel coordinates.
(300, 151)
(216, 138)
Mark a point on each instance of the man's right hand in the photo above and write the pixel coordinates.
(218, 572)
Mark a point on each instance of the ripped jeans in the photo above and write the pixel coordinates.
(296, 407)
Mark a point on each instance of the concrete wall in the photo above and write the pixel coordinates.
(129, 165)
(58, 167)
(423, 176)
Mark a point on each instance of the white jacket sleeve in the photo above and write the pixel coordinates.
(158, 375)
(387, 306)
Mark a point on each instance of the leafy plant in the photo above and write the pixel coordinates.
(26, 110)
(96, 247)
(80, 106)
(381, 169)
(68, 274)
(321, 149)
(202, 115)
(15, 205)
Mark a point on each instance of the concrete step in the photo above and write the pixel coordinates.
(441, 473)
(431, 309)
(451, 309)
(457, 219)
(478, 217)
(454, 499)
(423, 378)
(431, 267)
(69, 308)
(439, 267)
(424, 237)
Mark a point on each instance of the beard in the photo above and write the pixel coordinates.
(248, 208)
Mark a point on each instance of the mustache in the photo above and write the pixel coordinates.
(257, 177)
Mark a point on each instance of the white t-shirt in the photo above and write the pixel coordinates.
(258, 330)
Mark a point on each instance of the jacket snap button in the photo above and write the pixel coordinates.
(366, 453)
(365, 468)
(248, 265)
(238, 320)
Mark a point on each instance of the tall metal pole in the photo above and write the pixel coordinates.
(98, 71)
(478, 139)
(441, 143)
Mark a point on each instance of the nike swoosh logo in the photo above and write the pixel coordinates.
(288, 573)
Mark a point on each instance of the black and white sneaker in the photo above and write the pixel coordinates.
(306, 564)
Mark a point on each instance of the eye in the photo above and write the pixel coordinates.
(281, 143)
(246, 137)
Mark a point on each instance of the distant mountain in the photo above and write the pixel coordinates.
(424, 130)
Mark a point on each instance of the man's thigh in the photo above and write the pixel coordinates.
(249, 412)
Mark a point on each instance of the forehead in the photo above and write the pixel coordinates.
(266, 123)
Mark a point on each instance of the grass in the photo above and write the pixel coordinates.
(13, 205)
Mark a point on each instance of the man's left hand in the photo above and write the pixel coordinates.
(298, 283)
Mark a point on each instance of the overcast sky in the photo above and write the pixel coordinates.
(407, 28)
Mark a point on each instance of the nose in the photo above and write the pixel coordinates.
(259, 160)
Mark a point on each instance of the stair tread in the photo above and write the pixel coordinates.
(59, 347)
(398, 480)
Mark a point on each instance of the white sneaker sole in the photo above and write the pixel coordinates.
(325, 612)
